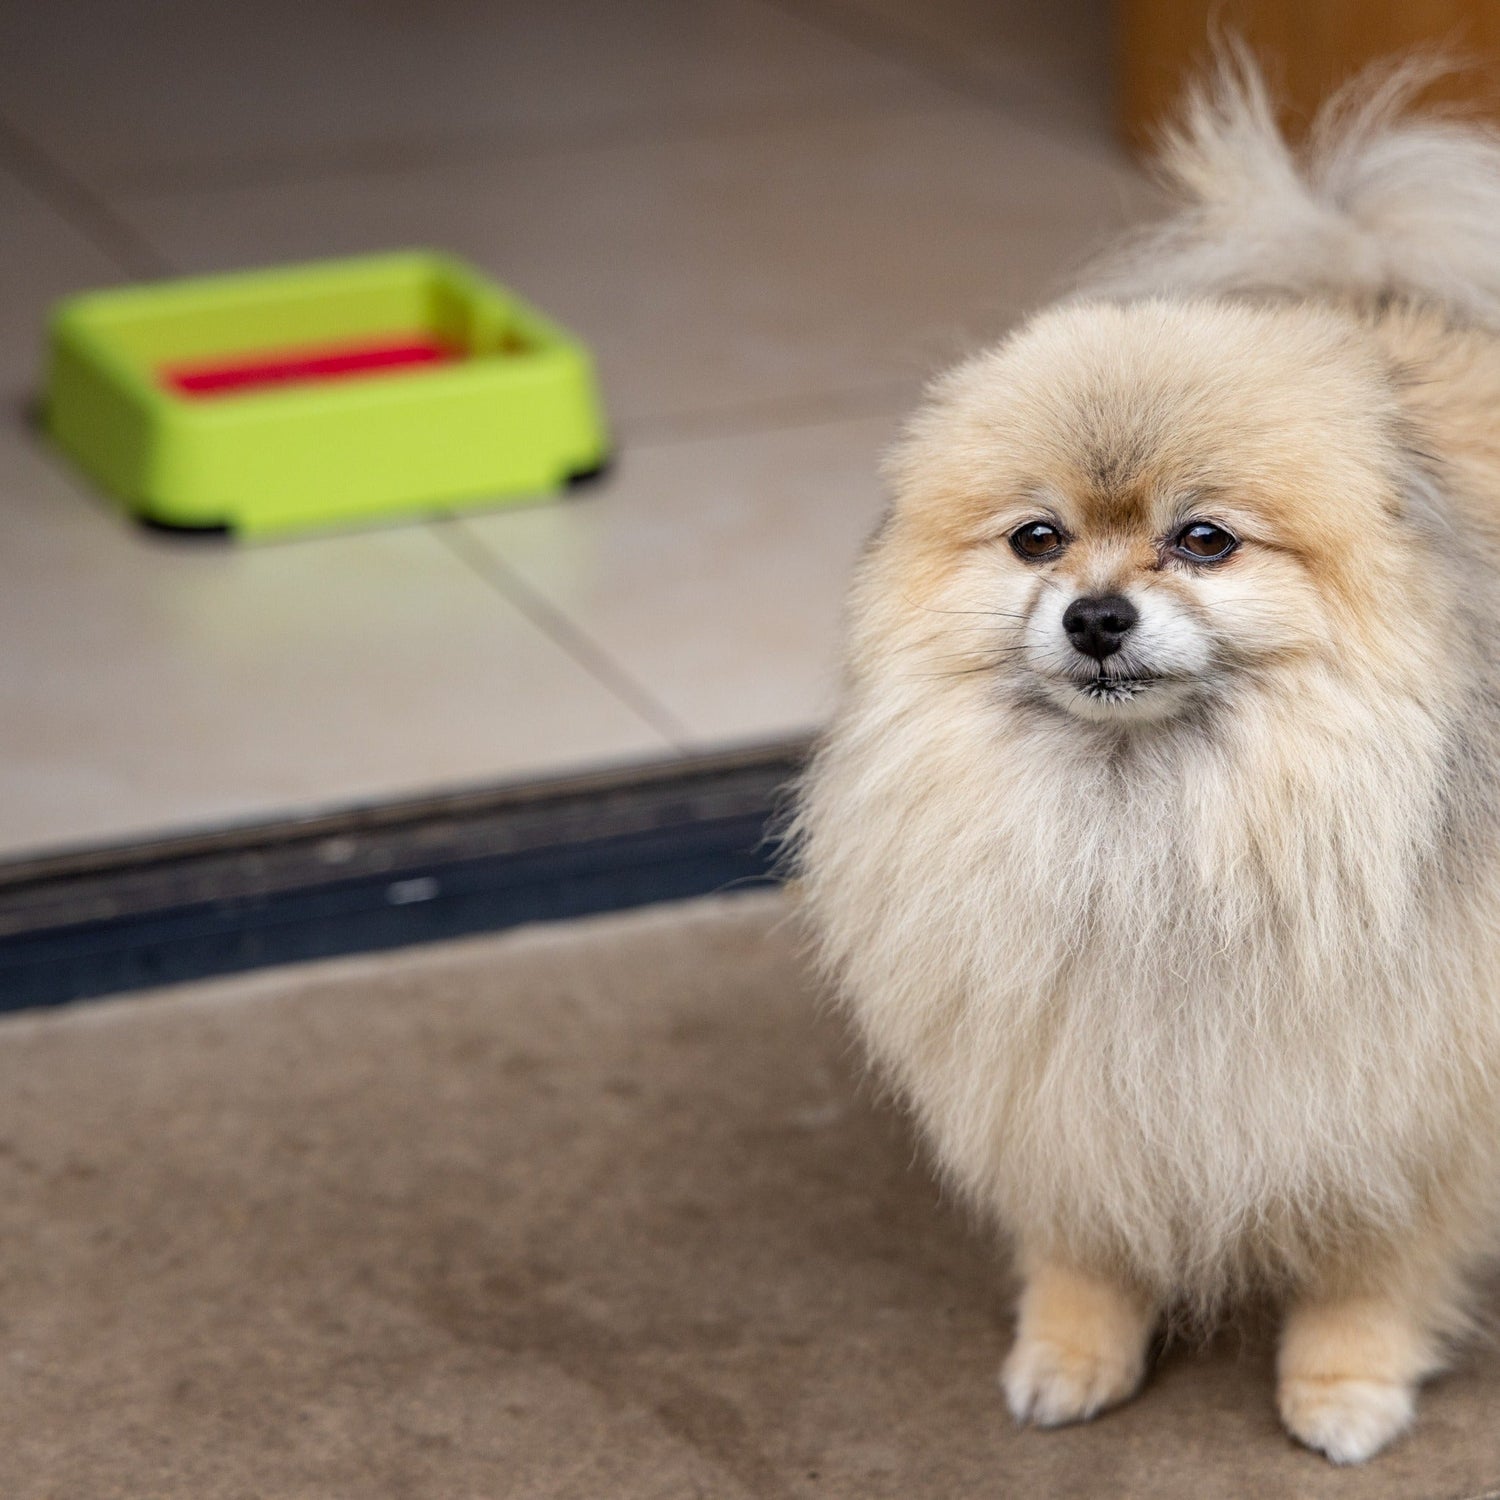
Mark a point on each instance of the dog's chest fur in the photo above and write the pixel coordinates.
(1169, 1009)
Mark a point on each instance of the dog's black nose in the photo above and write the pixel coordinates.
(1097, 626)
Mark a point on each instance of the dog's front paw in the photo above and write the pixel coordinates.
(1347, 1375)
(1049, 1384)
(1080, 1347)
(1349, 1420)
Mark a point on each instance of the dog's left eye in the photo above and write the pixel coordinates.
(1202, 541)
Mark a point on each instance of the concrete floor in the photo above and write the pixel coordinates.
(591, 1210)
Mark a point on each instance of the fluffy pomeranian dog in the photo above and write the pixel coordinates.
(1155, 845)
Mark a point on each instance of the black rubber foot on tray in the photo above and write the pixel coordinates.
(585, 477)
(217, 532)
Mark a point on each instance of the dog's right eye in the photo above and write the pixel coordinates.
(1036, 541)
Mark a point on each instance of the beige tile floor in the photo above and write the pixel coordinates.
(770, 220)
(157, 90)
(42, 256)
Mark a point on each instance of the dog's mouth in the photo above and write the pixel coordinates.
(1120, 697)
(1106, 688)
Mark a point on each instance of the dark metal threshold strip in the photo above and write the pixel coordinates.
(100, 922)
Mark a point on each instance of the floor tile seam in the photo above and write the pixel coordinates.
(485, 148)
(79, 205)
(939, 64)
(766, 418)
(581, 647)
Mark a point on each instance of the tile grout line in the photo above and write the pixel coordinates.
(776, 414)
(373, 158)
(929, 59)
(80, 206)
(889, 39)
(495, 572)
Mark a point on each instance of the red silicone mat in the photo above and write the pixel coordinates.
(328, 362)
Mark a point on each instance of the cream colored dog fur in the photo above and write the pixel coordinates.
(1187, 956)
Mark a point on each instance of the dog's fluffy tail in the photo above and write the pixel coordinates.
(1380, 203)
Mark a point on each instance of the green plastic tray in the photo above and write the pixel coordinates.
(515, 415)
